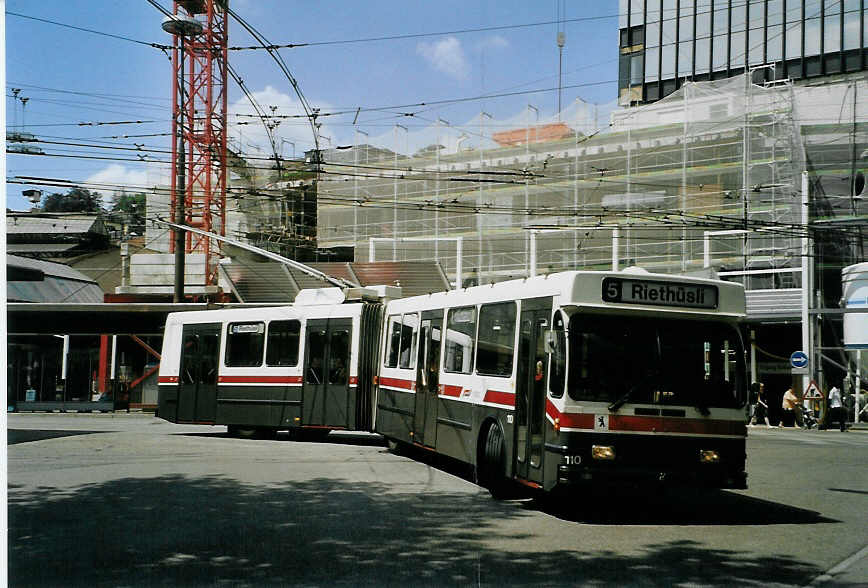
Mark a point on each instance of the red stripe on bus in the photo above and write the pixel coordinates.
(642, 424)
(450, 390)
(635, 423)
(577, 420)
(259, 380)
(705, 427)
(676, 425)
(396, 383)
(498, 397)
(569, 420)
(167, 380)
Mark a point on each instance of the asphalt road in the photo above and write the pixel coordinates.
(130, 500)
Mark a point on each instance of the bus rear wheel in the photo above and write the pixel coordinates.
(492, 461)
(251, 432)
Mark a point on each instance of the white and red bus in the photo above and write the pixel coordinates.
(306, 366)
(569, 378)
(572, 378)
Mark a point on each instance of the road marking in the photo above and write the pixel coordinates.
(830, 575)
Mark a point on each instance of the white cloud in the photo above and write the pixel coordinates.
(252, 137)
(118, 178)
(447, 56)
(493, 42)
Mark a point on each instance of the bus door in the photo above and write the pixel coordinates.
(197, 387)
(428, 378)
(531, 389)
(325, 398)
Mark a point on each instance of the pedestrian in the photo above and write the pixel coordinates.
(836, 409)
(754, 394)
(788, 406)
(762, 407)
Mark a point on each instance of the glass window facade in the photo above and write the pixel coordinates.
(665, 42)
(851, 24)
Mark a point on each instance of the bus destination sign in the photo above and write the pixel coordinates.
(629, 291)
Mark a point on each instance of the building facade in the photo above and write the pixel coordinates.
(664, 43)
(744, 179)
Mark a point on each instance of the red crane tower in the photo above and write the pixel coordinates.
(203, 104)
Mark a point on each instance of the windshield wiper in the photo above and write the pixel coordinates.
(702, 407)
(620, 402)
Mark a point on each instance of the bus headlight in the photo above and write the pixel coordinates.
(603, 452)
(708, 456)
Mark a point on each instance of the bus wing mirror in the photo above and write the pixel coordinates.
(551, 342)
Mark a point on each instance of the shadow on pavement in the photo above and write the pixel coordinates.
(15, 436)
(316, 436)
(179, 531)
(677, 506)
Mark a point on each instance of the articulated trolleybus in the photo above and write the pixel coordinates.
(574, 378)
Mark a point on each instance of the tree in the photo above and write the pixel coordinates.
(130, 210)
(76, 200)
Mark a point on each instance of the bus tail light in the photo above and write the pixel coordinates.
(708, 456)
(557, 425)
(603, 452)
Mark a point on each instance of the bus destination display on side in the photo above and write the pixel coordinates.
(631, 291)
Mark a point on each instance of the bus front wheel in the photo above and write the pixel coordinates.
(492, 463)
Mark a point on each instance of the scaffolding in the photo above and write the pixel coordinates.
(705, 179)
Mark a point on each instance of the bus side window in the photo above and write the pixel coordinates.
(460, 333)
(558, 375)
(189, 352)
(244, 344)
(339, 351)
(409, 334)
(282, 345)
(394, 342)
(210, 352)
(496, 342)
(316, 352)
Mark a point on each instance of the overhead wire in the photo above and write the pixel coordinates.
(266, 115)
(311, 112)
(104, 34)
(655, 219)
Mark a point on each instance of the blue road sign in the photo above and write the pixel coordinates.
(799, 359)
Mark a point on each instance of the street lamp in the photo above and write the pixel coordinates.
(395, 197)
(527, 172)
(284, 142)
(181, 26)
(440, 122)
(356, 200)
(481, 197)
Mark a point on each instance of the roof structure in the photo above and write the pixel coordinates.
(538, 134)
(39, 248)
(272, 282)
(65, 224)
(32, 280)
(47, 235)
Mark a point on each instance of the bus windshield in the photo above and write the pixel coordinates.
(618, 360)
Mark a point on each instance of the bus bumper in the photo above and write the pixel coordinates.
(705, 477)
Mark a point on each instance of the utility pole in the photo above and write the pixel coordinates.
(181, 26)
(561, 40)
(201, 35)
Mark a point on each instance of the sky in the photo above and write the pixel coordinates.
(70, 76)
